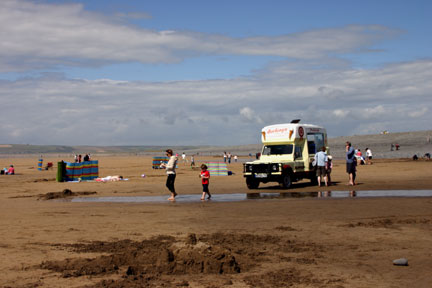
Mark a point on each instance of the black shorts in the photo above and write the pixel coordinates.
(205, 188)
(321, 171)
(351, 167)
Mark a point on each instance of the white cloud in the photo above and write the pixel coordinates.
(36, 35)
(250, 115)
(55, 110)
(340, 113)
(62, 111)
(419, 112)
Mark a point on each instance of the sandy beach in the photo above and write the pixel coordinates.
(282, 242)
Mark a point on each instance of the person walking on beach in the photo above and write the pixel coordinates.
(171, 174)
(205, 176)
(329, 168)
(321, 162)
(368, 156)
(351, 163)
(192, 161)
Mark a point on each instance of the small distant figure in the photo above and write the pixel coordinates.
(11, 170)
(235, 158)
(359, 157)
(76, 158)
(225, 157)
(109, 178)
(329, 168)
(86, 157)
(79, 158)
(229, 157)
(184, 160)
(205, 176)
(368, 156)
(397, 146)
(351, 163)
(427, 156)
(415, 157)
(192, 161)
(391, 147)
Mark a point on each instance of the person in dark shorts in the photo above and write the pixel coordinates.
(351, 163)
(205, 176)
(321, 163)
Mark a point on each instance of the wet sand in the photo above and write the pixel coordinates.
(297, 242)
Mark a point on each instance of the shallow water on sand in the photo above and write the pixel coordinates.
(259, 196)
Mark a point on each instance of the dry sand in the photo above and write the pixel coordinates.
(297, 242)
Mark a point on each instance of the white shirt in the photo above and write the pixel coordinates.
(171, 165)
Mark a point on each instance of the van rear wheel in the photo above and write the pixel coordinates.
(286, 181)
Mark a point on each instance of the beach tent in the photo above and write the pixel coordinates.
(217, 168)
(87, 170)
(158, 160)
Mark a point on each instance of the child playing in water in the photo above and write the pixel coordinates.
(205, 176)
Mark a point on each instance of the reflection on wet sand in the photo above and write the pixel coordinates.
(259, 196)
(319, 194)
(329, 194)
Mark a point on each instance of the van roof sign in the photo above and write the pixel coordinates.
(288, 132)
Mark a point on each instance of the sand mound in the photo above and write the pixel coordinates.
(150, 262)
(64, 194)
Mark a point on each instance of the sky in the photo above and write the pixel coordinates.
(115, 72)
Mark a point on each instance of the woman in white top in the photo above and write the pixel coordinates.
(170, 170)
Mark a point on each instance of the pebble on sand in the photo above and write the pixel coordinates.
(400, 262)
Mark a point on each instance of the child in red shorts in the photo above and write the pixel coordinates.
(205, 176)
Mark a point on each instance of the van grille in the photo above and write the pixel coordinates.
(261, 168)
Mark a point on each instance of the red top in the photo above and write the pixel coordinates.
(205, 175)
(11, 171)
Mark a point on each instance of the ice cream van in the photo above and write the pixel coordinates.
(287, 154)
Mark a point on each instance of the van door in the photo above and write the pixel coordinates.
(298, 158)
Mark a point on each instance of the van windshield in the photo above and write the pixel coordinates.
(277, 149)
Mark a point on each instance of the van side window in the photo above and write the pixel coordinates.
(298, 152)
(315, 142)
(311, 148)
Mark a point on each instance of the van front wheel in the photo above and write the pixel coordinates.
(252, 183)
(286, 181)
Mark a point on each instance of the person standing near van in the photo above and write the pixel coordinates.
(351, 163)
(321, 162)
(329, 168)
(171, 174)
